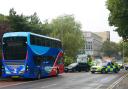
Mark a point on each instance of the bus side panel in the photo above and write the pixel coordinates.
(32, 68)
(58, 64)
(46, 69)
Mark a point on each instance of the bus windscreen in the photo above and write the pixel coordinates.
(14, 48)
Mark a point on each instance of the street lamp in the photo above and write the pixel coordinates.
(123, 53)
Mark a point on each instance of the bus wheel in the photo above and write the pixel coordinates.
(39, 76)
(57, 72)
(103, 71)
(116, 71)
(92, 72)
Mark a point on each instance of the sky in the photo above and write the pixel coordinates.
(92, 14)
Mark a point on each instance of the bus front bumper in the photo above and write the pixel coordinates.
(24, 75)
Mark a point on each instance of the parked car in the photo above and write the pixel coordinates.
(77, 67)
(126, 66)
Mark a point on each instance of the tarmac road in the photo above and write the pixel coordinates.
(79, 80)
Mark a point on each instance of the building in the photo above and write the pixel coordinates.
(105, 35)
(93, 44)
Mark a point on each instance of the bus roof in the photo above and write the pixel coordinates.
(25, 34)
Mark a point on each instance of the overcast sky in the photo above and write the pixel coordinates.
(92, 14)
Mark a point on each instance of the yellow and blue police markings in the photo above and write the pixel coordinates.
(109, 67)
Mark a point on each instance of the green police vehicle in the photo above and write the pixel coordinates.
(105, 67)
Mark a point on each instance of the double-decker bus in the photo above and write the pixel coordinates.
(30, 55)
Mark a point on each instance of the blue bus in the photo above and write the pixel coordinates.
(30, 55)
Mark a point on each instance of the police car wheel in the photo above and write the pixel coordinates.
(87, 70)
(92, 72)
(103, 71)
(116, 71)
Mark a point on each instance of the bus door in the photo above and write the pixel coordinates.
(38, 64)
(46, 65)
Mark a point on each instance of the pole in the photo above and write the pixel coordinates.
(123, 54)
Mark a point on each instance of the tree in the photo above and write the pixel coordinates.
(68, 30)
(46, 28)
(35, 24)
(119, 16)
(3, 18)
(123, 48)
(24, 23)
(110, 49)
(18, 22)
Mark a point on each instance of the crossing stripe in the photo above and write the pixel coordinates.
(117, 82)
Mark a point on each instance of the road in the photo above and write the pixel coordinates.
(80, 80)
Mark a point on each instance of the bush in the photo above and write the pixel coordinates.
(125, 59)
(68, 60)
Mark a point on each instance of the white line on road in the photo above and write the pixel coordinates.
(49, 86)
(117, 82)
(98, 86)
(14, 84)
(22, 83)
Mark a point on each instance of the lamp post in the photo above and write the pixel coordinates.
(123, 54)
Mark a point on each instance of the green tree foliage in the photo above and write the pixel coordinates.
(3, 18)
(68, 30)
(68, 60)
(119, 16)
(18, 22)
(46, 28)
(35, 23)
(110, 48)
(123, 48)
(24, 23)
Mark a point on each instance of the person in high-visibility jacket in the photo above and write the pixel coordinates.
(90, 61)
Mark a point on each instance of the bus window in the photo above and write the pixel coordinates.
(14, 48)
(51, 60)
(60, 60)
(43, 41)
(32, 39)
(37, 60)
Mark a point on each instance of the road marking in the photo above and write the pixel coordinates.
(49, 86)
(98, 86)
(117, 82)
(14, 84)
(22, 83)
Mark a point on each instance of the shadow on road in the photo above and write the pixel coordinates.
(28, 79)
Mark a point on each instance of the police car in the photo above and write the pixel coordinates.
(105, 67)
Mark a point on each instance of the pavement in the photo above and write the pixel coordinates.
(79, 80)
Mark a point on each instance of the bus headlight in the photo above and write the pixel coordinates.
(7, 71)
(26, 68)
(21, 72)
